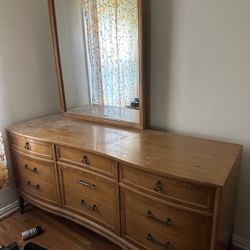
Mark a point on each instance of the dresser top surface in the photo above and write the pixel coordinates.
(188, 158)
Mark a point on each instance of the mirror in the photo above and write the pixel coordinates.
(98, 47)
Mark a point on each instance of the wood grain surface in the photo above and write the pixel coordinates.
(188, 158)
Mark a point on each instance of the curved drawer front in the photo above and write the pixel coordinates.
(34, 168)
(32, 147)
(42, 190)
(184, 225)
(91, 208)
(149, 238)
(86, 160)
(87, 183)
(90, 195)
(180, 192)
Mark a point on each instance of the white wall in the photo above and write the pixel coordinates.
(72, 52)
(27, 72)
(200, 77)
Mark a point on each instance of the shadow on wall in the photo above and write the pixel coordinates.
(158, 32)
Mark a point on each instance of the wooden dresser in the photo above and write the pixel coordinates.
(141, 189)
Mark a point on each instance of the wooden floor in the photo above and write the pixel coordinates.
(59, 234)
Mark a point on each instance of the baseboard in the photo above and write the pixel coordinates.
(8, 210)
(241, 243)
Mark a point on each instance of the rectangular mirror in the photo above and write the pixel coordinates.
(99, 48)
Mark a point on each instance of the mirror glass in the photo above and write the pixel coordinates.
(99, 49)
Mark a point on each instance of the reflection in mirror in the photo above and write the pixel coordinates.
(99, 51)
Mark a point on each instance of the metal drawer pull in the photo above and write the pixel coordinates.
(34, 170)
(91, 207)
(85, 160)
(34, 186)
(158, 187)
(167, 222)
(166, 245)
(27, 146)
(84, 183)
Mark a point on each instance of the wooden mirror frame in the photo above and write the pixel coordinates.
(60, 85)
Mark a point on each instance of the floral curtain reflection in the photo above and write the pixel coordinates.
(4, 180)
(111, 33)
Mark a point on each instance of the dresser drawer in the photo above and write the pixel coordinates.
(93, 185)
(32, 147)
(146, 237)
(180, 192)
(39, 169)
(185, 225)
(90, 195)
(43, 190)
(87, 160)
(91, 208)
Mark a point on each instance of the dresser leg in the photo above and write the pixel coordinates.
(21, 205)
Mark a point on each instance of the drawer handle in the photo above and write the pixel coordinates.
(166, 245)
(34, 170)
(84, 183)
(167, 222)
(158, 187)
(27, 146)
(34, 186)
(85, 160)
(91, 207)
